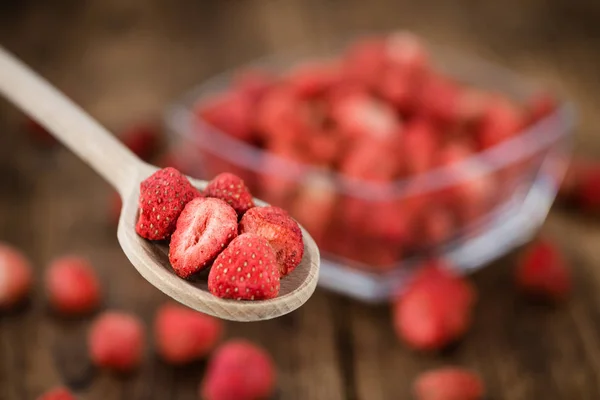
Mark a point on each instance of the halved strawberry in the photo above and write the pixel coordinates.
(204, 229)
(280, 230)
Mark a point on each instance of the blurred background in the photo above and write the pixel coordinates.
(127, 63)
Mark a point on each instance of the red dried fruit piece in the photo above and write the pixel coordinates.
(400, 88)
(231, 189)
(204, 229)
(323, 147)
(72, 286)
(239, 370)
(439, 100)
(246, 270)
(471, 105)
(39, 134)
(500, 121)
(232, 112)
(474, 191)
(59, 393)
(162, 198)
(142, 139)
(116, 341)
(542, 272)
(15, 276)
(361, 116)
(420, 146)
(314, 79)
(276, 186)
(254, 83)
(280, 230)
(370, 161)
(405, 50)
(388, 221)
(435, 225)
(183, 335)
(378, 256)
(364, 61)
(435, 310)
(283, 115)
(449, 383)
(314, 205)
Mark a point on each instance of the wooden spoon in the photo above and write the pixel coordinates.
(124, 171)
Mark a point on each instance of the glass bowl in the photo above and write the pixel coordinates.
(525, 172)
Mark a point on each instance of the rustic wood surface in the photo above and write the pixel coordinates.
(125, 60)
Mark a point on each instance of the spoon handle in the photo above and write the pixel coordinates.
(67, 122)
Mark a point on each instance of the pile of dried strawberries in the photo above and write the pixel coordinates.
(377, 114)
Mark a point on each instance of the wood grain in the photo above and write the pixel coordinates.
(123, 61)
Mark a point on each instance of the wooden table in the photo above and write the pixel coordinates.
(125, 60)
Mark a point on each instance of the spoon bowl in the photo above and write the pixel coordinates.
(151, 259)
(124, 171)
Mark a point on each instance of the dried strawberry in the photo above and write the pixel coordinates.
(405, 50)
(280, 230)
(314, 205)
(162, 198)
(232, 190)
(364, 61)
(232, 112)
(435, 225)
(239, 370)
(72, 286)
(116, 341)
(324, 147)
(375, 162)
(246, 270)
(58, 393)
(420, 146)
(439, 99)
(204, 229)
(377, 256)
(388, 221)
(449, 383)
(435, 310)
(313, 79)
(282, 114)
(501, 120)
(542, 272)
(471, 105)
(400, 88)
(361, 116)
(183, 335)
(143, 139)
(475, 189)
(16, 276)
